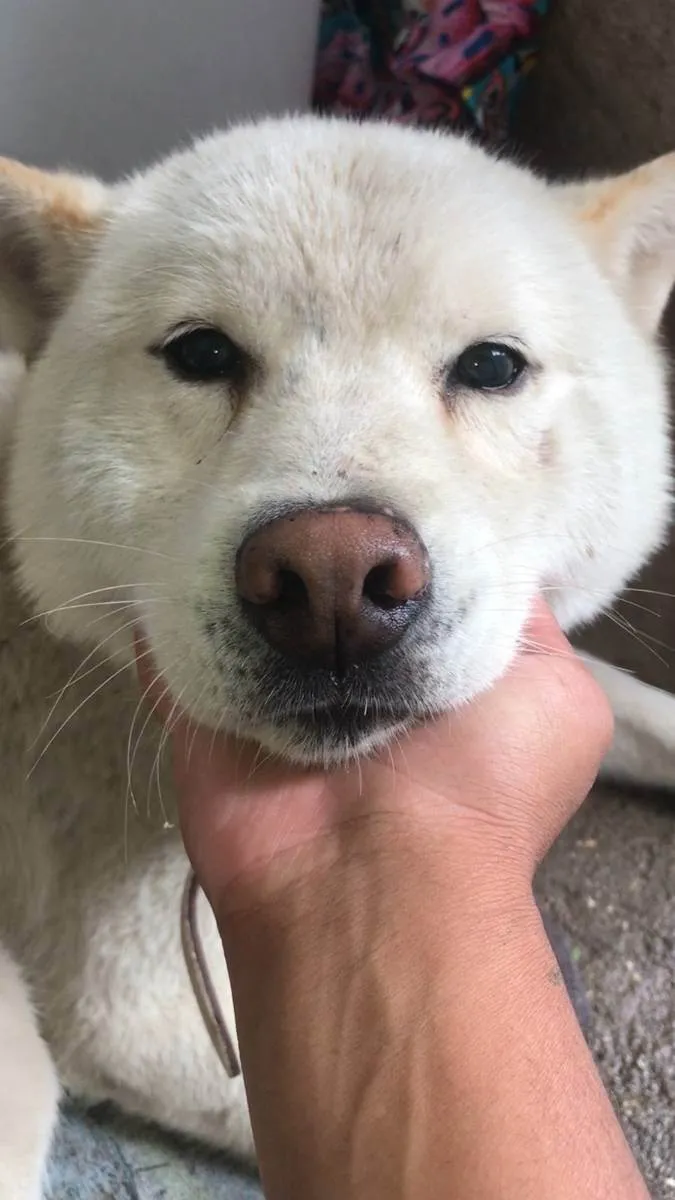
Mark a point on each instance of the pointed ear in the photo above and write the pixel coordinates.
(629, 223)
(49, 224)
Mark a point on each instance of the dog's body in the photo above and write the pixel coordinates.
(359, 273)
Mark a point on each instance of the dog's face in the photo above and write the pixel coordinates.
(320, 407)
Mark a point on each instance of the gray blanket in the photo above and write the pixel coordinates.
(99, 1155)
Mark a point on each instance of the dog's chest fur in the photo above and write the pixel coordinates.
(91, 876)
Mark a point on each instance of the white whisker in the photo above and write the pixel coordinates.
(104, 545)
(76, 710)
(76, 677)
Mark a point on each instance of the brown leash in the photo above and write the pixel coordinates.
(202, 984)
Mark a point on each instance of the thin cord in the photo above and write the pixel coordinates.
(202, 984)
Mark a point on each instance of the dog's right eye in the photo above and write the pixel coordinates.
(488, 367)
(202, 355)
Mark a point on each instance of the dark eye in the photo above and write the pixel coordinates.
(202, 355)
(488, 367)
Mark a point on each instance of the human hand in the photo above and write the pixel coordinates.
(498, 780)
(398, 1005)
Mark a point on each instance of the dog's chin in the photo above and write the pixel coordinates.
(331, 737)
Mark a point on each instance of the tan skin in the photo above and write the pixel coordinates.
(403, 1026)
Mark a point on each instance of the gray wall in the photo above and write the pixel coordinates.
(108, 85)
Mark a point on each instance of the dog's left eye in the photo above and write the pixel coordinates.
(487, 367)
(202, 355)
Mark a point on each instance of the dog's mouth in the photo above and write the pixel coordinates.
(328, 728)
(352, 723)
(321, 714)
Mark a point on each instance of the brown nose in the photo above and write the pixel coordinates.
(332, 587)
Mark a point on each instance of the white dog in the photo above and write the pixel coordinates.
(319, 407)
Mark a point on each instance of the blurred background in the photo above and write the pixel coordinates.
(110, 85)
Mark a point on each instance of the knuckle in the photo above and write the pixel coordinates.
(580, 706)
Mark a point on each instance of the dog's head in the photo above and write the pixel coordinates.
(321, 406)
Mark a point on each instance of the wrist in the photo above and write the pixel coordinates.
(380, 865)
(356, 974)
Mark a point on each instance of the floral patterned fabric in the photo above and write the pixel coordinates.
(430, 62)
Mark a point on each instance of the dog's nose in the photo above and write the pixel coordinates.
(333, 587)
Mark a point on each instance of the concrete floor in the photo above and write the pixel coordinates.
(610, 884)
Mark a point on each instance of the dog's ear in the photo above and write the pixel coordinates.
(629, 223)
(49, 224)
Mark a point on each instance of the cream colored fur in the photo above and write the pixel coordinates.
(353, 262)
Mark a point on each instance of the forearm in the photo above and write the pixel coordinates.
(389, 1059)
